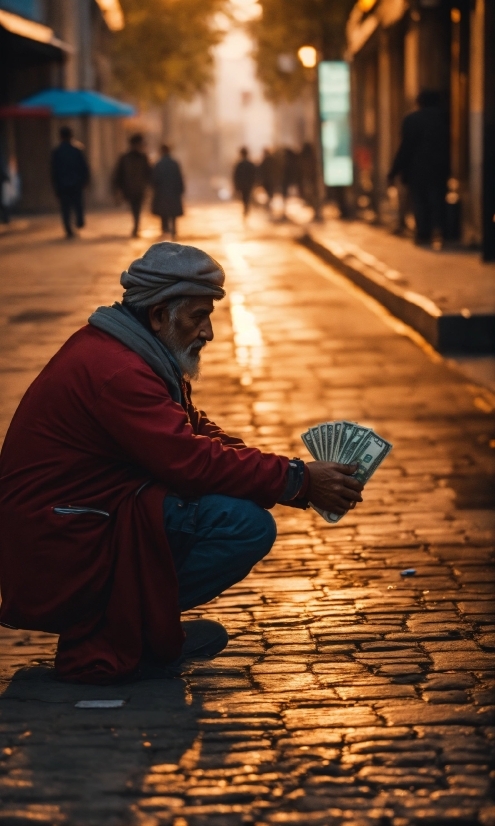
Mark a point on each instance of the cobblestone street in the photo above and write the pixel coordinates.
(348, 694)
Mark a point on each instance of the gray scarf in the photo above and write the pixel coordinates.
(120, 323)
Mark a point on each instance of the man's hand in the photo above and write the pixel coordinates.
(332, 486)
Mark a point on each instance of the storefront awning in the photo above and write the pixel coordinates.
(69, 103)
(22, 27)
(16, 111)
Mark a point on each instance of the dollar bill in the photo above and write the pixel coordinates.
(347, 429)
(352, 436)
(337, 430)
(370, 456)
(324, 433)
(330, 439)
(346, 442)
(308, 441)
(328, 517)
(315, 433)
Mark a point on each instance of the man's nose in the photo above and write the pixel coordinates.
(206, 331)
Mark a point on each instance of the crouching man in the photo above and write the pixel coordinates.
(121, 504)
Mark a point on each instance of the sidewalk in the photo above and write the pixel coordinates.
(447, 296)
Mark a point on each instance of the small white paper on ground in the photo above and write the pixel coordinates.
(100, 704)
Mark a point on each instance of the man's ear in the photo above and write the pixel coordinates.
(158, 315)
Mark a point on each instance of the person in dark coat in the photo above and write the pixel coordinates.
(168, 188)
(267, 174)
(308, 175)
(4, 179)
(422, 161)
(290, 171)
(132, 177)
(244, 178)
(70, 174)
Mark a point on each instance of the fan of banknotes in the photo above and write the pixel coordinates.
(347, 443)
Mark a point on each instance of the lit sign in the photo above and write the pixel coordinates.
(334, 97)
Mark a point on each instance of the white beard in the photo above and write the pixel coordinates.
(189, 362)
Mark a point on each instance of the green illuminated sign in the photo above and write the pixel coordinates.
(334, 97)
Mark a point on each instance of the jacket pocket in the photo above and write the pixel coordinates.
(70, 510)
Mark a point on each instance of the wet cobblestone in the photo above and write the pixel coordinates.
(348, 695)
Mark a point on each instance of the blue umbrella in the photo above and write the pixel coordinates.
(66, 103)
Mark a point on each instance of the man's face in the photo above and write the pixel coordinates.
(185, 331)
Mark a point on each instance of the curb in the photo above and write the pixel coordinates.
(448, 333)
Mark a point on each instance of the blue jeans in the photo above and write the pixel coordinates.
(215, 541)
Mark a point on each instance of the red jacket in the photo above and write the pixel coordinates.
(94, 428)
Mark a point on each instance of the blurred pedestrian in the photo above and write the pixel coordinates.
(168, 188)
(288, 174)
(132, 176)
(308, 176)
(70, 174)
(290, 171)
(267, 175)
(244, 178)
(4, 182)
(422, 161)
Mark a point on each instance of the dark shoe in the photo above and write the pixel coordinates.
(204, 639)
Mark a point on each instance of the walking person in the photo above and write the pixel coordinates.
(244, 178)
(132, 177)
(308, 176)
(4, 206)
(267, 175)
(422, 161)
(70, 174)
(168, 188)
(288, 174)
(5, 191)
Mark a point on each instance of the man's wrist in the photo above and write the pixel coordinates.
(297, 482)
(305, 485)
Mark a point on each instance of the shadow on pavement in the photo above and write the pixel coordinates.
(62, 764)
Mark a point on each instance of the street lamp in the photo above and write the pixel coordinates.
(308, 56)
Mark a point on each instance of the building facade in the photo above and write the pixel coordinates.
(60, 44)
(396, 49)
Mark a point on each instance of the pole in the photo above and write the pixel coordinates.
(488, 242)
(320, 193)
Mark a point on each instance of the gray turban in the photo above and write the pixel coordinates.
(169, 270)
